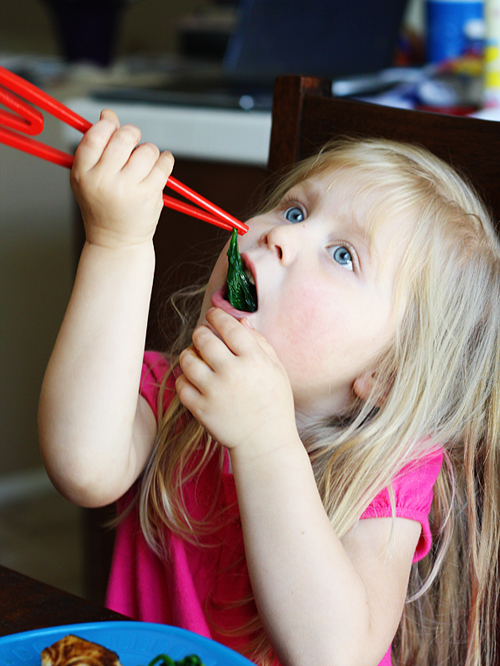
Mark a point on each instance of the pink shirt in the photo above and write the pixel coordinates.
(200, 586)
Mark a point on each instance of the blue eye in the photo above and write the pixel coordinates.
(294, 214)
(342, 256)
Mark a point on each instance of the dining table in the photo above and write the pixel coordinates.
(34, 615)
(27, 604)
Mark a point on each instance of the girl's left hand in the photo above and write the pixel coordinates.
(235, 386)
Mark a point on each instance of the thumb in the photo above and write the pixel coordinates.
(261, 339)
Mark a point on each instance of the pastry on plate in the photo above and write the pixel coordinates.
(72, 651)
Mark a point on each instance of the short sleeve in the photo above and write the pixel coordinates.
(413, 492)
(154, 368)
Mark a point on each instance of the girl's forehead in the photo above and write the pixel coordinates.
(349, 192)
(371, 207)
(346, 185)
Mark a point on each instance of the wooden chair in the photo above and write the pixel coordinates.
(305, 116)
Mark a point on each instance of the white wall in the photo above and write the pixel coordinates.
(35, 277)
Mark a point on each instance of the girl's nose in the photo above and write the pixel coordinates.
(284, 240)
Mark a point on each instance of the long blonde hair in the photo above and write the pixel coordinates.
(439, 386)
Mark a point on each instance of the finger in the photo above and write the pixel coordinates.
(210, 348)
(141, 161)
(257, 336)
(93, 144)
(148, 165)
(120, 146)
(188, 394)
(237, 337)
(194, 367)
(162, 169)
(108, 114)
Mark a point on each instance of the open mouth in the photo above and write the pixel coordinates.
(241, 291)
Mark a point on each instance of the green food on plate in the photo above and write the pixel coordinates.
(165, 660)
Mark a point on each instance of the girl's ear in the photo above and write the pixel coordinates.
(363, 386)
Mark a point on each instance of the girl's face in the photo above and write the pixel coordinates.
(325, 288)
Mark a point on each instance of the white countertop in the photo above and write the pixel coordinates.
(221, 135)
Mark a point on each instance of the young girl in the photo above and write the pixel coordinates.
(300, 481)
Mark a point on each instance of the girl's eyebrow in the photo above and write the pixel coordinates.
(355, 229)
(306, 188)
(361, 241)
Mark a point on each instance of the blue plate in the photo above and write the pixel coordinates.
(136, 643)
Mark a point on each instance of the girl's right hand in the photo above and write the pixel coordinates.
(119, 183)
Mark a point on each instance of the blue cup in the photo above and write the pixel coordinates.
(453, 28)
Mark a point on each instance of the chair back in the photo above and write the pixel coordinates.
(306, 116)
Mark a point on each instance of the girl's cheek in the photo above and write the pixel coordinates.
(220, 269)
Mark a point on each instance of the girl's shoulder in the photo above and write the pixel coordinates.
(411, 495)
(415, 481)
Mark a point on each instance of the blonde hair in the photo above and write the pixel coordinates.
(438, 385)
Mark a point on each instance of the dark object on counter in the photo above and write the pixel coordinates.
(334, 38)
(205, 36)
(87, 30)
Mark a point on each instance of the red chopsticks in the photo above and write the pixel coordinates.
(15, 92)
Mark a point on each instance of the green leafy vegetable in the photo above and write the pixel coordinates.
(241, 292)
(165, 660)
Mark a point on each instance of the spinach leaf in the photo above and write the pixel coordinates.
(241, 293)
(165, 660)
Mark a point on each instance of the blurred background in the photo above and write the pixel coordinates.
(145, 26)
(147, 57)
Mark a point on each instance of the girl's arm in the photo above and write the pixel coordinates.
(321, 599)
(95, 433)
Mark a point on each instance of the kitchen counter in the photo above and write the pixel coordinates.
(200, 133)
